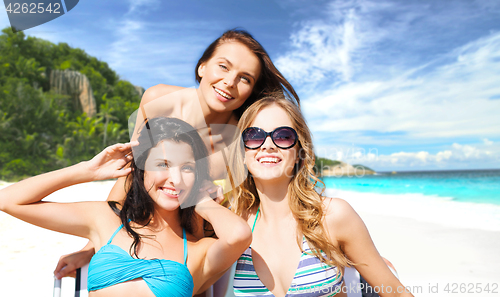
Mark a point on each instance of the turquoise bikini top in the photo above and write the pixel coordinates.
(112, 265)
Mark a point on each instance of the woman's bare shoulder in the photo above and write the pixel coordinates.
(158, 91)
(332, 205)
(341, 217)
(337, 211)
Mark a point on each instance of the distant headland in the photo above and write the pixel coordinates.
(327, 167)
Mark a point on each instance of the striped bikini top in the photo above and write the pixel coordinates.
(112, 265)
(312, 278)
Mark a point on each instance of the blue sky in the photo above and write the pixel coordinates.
(395, 85)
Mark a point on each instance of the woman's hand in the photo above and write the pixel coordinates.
(110, 163)
(207, 191)
(68, 264)
(210, 191)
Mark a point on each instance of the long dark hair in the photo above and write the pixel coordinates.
(138, 206)
(270, 79)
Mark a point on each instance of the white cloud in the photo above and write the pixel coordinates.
(487, 141)
(332, 46)
(127, 40)
(450, 100)
(455, 156)
(142, 6)
(380, 73)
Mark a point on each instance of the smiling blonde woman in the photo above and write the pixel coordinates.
(302, 241)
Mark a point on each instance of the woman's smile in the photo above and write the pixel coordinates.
(222, 95)
(269, 160)
(170, 192)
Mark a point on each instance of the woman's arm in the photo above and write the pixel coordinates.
(234, 236)
(347, 228)
(23, 199)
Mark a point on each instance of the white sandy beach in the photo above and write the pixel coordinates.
(429, 243)
(434, 242)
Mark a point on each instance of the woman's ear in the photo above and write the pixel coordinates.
(201, 70)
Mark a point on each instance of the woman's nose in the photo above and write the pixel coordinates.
(230, 80)
(174, 175)
(268, 144)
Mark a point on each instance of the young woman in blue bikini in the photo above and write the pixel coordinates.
(145, 245)
(301, 240)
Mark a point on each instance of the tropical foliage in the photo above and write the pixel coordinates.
(321, 164)
(42, 131)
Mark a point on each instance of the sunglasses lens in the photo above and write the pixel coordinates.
(284, 137)
(253, 137)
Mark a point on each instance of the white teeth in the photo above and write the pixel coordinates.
(223, 94)
(269, 160)
(170, 192)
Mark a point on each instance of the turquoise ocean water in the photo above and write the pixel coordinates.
(475, 186)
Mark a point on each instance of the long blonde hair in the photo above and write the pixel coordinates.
(305, 202)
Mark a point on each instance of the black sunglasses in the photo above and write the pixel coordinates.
(282, 137)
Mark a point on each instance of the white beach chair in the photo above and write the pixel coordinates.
(80, 283)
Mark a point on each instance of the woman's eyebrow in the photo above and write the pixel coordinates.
(227, 61)
(161, 159)
(231, 64)
(167, 161)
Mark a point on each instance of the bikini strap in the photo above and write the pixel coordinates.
(185, 246)
(256, 215)
(114, 234)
